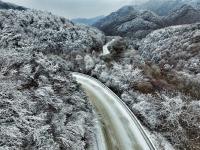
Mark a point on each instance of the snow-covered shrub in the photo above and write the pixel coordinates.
(41, 106)
(174, 115)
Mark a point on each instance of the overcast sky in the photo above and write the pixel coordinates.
(75, 8)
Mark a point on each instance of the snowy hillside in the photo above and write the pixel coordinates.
(154, 69)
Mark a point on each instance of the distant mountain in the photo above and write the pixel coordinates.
(186, 14)
(4, 5)
(130, 22)
(165, 7)
(121, 15)
(161, 7)
(87, 21)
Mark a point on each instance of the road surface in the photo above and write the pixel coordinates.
(105, 47)
(119, 129)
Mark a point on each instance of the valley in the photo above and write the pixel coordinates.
(148, 56)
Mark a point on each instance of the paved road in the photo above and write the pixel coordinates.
(119, 128)
(105, 47)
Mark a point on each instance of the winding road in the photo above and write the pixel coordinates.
(105, 47)
(118, 128)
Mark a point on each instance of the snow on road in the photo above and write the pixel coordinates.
(105, 47)
(120, 129)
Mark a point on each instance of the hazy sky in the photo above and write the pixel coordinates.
(75, 8)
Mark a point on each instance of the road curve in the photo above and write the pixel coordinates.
(119, 129)
(105, 47)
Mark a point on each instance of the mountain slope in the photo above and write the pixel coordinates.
(160, 83)
(186, 14)
(165, 7)
(42, 107)
(177, 46)
(4, 5)
(130, 22)
(127, 21)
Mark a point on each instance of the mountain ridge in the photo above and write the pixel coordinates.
(129, 22)
(6, 5)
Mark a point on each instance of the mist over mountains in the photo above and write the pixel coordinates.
(4, 5)
(87, 21)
